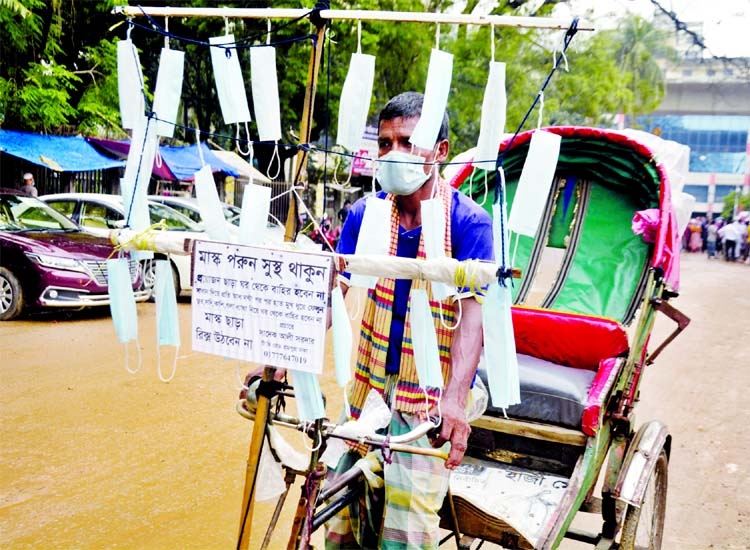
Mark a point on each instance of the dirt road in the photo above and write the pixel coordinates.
(95, 457)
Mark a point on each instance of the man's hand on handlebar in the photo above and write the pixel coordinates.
(454, 429)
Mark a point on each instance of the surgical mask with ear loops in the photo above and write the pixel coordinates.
(401, 173)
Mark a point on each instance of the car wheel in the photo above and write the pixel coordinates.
(11, 296)
(176, 280)
(148, 277)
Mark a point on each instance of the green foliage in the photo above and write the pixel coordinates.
(58, 66)
(98, 107)
(742, 201)
(44, 98)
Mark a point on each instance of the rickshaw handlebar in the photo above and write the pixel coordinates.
(394, 442)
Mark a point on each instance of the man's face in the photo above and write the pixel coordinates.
(29, 181)
(394, 134)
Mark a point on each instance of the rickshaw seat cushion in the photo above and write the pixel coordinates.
(567, 339)
(550, 393)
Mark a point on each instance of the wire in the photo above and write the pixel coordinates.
(681, 26)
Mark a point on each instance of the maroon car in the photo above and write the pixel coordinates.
(46, 261)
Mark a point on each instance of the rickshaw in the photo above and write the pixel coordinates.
(605, 258)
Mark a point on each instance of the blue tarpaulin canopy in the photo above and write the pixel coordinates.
(59, 153)
(176, 163)
(184, 162)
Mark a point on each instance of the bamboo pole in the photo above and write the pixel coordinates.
(358, 15)
(300, 161)
(262, 412)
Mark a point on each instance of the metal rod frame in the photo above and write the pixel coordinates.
(358, 15)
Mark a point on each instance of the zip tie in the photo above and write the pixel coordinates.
(359, 36)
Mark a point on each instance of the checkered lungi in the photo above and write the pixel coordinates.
(406, 516)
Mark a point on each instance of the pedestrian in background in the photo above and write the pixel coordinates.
(711, 235)
(28, 185)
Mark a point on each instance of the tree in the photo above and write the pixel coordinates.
(641, 44)
(58, 69)
(47, 50)
(735, 199)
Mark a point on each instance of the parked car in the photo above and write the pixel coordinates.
(189, 206)
(47, 261)
(100, 213)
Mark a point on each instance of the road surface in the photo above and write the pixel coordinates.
(95, 457)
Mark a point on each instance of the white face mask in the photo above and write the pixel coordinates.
(265, 86)
(493, 117)
(230, 85)
(168, 90)
(402, 173)
(355, 101)
(439, 76)
(130, 84)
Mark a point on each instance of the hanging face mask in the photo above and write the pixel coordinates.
(500, 347)
(129, 84)
(265, 89)
(534, 183)
(122, 305)
(438, 86)
(424, 341)
(134, 184)
(433, 232)
(210, 207)
(229, 83)
(256, 203)
(168, 90)
(167, 322)
(401, 173)
(307, 395)
(374, 237)
(355, 101)
(270, 481)
(342, 337)
(493, 118)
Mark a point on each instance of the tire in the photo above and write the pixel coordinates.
(643, 527)
(11, 296)
(148, 277)
(175, 279)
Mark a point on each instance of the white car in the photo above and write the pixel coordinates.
(99, 213)
(274, 233)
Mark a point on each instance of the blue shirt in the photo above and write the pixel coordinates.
(471, 239)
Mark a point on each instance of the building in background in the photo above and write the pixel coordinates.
(706, 107)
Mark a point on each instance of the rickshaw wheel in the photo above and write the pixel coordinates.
(643, 527)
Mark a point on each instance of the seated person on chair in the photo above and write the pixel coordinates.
(415, 485)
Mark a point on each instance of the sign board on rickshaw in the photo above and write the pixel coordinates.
(261, 305)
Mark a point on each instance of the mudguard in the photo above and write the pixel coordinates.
(640, 461)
